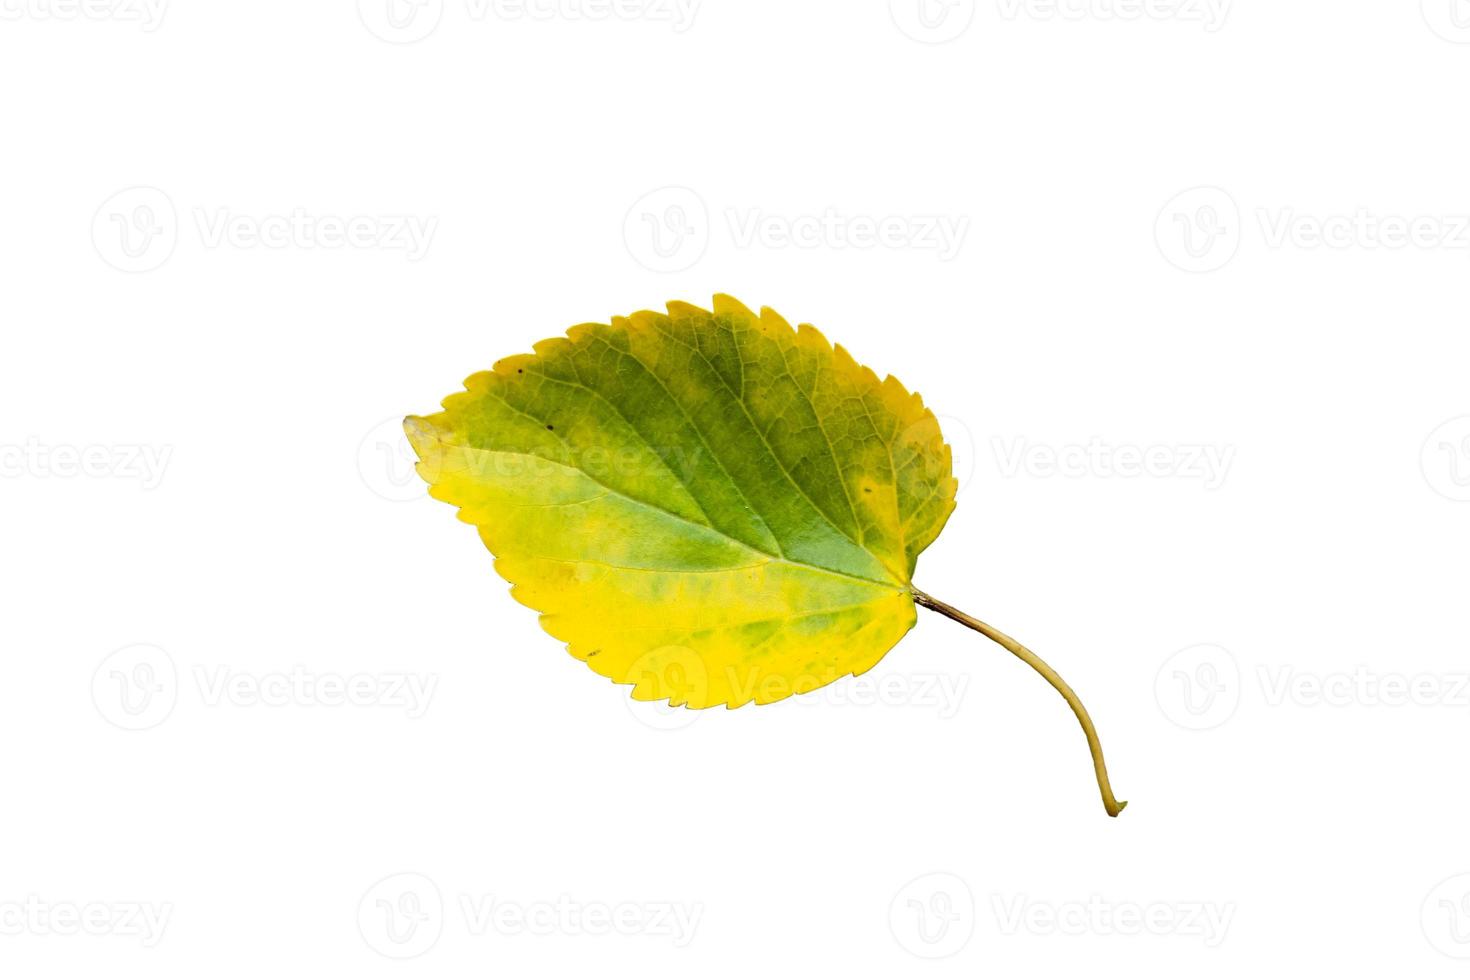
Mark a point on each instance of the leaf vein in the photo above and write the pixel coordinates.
(757, 430)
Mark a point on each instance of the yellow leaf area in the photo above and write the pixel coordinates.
(711, 506)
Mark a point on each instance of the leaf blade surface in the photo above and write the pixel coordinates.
(708, 505)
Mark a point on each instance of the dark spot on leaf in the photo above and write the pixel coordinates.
(549, 425)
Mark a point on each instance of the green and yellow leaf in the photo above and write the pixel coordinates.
(708, 505)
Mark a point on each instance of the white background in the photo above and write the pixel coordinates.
(1184, 238)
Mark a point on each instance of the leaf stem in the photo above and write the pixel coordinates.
(1113, 806)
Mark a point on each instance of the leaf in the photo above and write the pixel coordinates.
(713, 507)
(710, 506)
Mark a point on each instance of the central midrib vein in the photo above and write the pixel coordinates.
(614, 491)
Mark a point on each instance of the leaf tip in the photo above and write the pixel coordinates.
(726, 305)
(679, 308)
(420, 432)
(770, 317)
